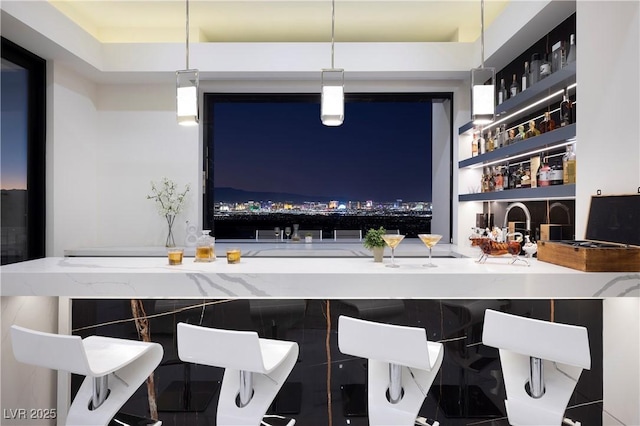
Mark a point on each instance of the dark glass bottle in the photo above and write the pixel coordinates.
(547, 124)
(502, 92)
(566, 110)
(513, 89)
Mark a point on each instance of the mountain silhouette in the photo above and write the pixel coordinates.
(233, 195)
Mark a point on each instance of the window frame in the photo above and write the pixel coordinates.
(36, 144)
(208, 122)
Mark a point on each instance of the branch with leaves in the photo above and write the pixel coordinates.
(169, 200)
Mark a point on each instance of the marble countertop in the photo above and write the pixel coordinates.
(308, 278)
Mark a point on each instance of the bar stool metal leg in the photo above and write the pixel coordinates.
(395, 383)
(100, 391)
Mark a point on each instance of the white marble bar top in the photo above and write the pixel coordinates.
(308, 278)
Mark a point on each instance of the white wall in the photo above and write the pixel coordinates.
(105, 145)
(608, 158)
(72, 141)
(608, 102)
(26, 386)
(139, 142)
(441, 169)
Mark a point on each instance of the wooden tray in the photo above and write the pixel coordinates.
(589, 256)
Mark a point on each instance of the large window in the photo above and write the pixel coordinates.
(23, 154)
(268, 157)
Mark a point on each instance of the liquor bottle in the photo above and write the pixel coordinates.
(569, 166)
(512, 136)
(482, 147)
(474, 145)
(502, 142)
(496, 138)
(492, 180)
(532, 131)
(566, 110)
(542, 177)
(571, 56)
(520, 135)
(525, 179)
(534, 68)
(498, 179)
(518, 177)
(513, 89)
(490, 142)
(545, 67)
(505, 177)
(525, 78)
(502, 93)
(556, 172)
(547, 124)
(512, 177)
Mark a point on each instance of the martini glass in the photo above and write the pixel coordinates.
(430, 240)
(392, 241)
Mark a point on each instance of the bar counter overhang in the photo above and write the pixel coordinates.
(307, 278)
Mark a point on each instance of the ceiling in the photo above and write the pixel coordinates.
(153, 21)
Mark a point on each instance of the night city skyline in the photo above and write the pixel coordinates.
(381, 152)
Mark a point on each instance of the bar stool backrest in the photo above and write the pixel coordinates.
(238, 350)
(394, 344)
(566, 344)
(54, 351)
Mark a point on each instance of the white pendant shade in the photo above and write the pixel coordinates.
(483, 109)
(187, 97)
(483, 95)
(332, 105)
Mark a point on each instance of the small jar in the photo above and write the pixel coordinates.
(205, 248)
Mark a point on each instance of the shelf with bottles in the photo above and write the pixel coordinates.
(506, 180)
(523, 148)
(553, 192)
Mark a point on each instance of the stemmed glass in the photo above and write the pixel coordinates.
(392, 240)
(276, 231)
(430, 240)
(287, 231)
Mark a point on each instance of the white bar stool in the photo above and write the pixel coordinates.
(402, 367)
(541, 364)
(255, 369)
(127, 362)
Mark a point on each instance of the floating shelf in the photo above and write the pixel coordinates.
(546, 140)
(541, 193)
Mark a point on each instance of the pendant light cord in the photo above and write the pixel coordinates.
(333, 24)
(481, 33)
(187, 31)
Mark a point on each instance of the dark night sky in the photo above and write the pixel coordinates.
(13, 165)
(381, 152)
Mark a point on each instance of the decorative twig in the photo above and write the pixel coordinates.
(328, 349)
(142, 326)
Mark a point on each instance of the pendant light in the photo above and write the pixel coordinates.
(483, 83)
(187, 82)
(332, 98)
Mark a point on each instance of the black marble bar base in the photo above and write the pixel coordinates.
(468, 389)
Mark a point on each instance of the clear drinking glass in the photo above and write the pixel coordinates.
(276, 231)
(287, 231)
(392, 240)
(430, 240)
